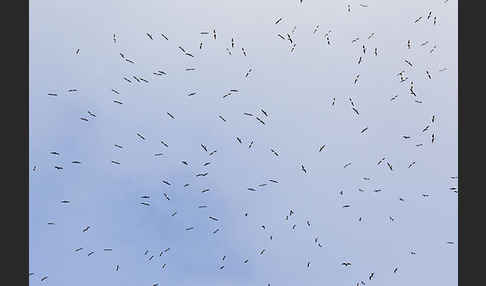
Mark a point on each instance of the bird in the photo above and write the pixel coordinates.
(390, 166)
(322, 147)
(366, 128)
(170, 115)
(278, 21)
(164, 36)
(166, 182)
(86, 229)
(411, 164)
(44, 278)
(274, 152)
(139, 135)
(346, 263)
(58, 167)
(261, 121)
(395, 270)
(371, 275)
(150, 36)
(303, 169)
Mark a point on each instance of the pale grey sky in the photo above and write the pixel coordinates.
(296, 90)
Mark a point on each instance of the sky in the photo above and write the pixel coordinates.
(296, 89)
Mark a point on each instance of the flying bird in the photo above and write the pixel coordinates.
(303, 169)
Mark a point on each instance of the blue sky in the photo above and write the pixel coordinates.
(296, 89)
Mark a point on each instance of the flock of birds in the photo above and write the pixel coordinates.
(262, 116)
